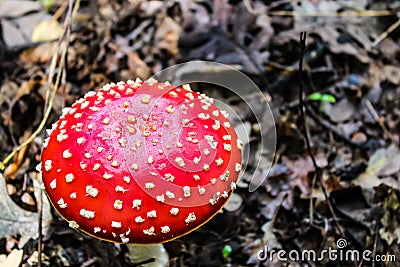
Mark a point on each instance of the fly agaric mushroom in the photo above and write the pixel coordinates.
(140, 162)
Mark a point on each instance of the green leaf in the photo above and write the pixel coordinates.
(328, 98)
(315, 96)
(322, 97)
(226, 251)
(47, 4)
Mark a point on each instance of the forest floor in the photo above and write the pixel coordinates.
(351, 83)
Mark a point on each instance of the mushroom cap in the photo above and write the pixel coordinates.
(140, 162)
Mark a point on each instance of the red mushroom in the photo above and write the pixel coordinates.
(140, 162)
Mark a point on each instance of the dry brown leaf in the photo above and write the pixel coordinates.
(18, 31)
(137, 66)
(383, 163)
(17, 8)
(167, 36)
(150, 8)
(11, 34)
(392, 74)
(299, 170)
(40, 54)
(330, 35)
(234, 203)
(340, 111)
(47, 30)
(367, 180)
(27, 199)
(15, 220)
(13, 259)
(11, 189)
(269, 237)
(390, 223)
(10, 170)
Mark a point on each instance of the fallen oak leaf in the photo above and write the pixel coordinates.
(382, 163)
(299, 170)
(15, 220)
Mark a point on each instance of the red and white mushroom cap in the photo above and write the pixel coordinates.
(140, 162)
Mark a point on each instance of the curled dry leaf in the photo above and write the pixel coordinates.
(10, 170)
(138, 68)
(40, 54)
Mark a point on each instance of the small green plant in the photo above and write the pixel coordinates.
(226, 251)
(322, 97)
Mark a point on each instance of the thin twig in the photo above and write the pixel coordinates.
(385, 34)
(61, 56)
(332, 128)
(52, 91)
(53, 86)
(49, 108)
(40, 227)
(277, 3)
(250, 8)
(375, 116)
(63, 46)
(318, 170)
(348, 13)
(376, 237)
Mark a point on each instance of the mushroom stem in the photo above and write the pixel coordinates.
(153, 255)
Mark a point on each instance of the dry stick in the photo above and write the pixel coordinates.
(53, 87)
(348, 13)
(49, 107)
(386, 33)
(38, 130)
(375, 116)
(331, 128)
(40, 227)
(375, 242)
(51, 93)
(250, 8)
(35, 133)
(318, 170)
(50, 99)
(61, 73)
(277, 3)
